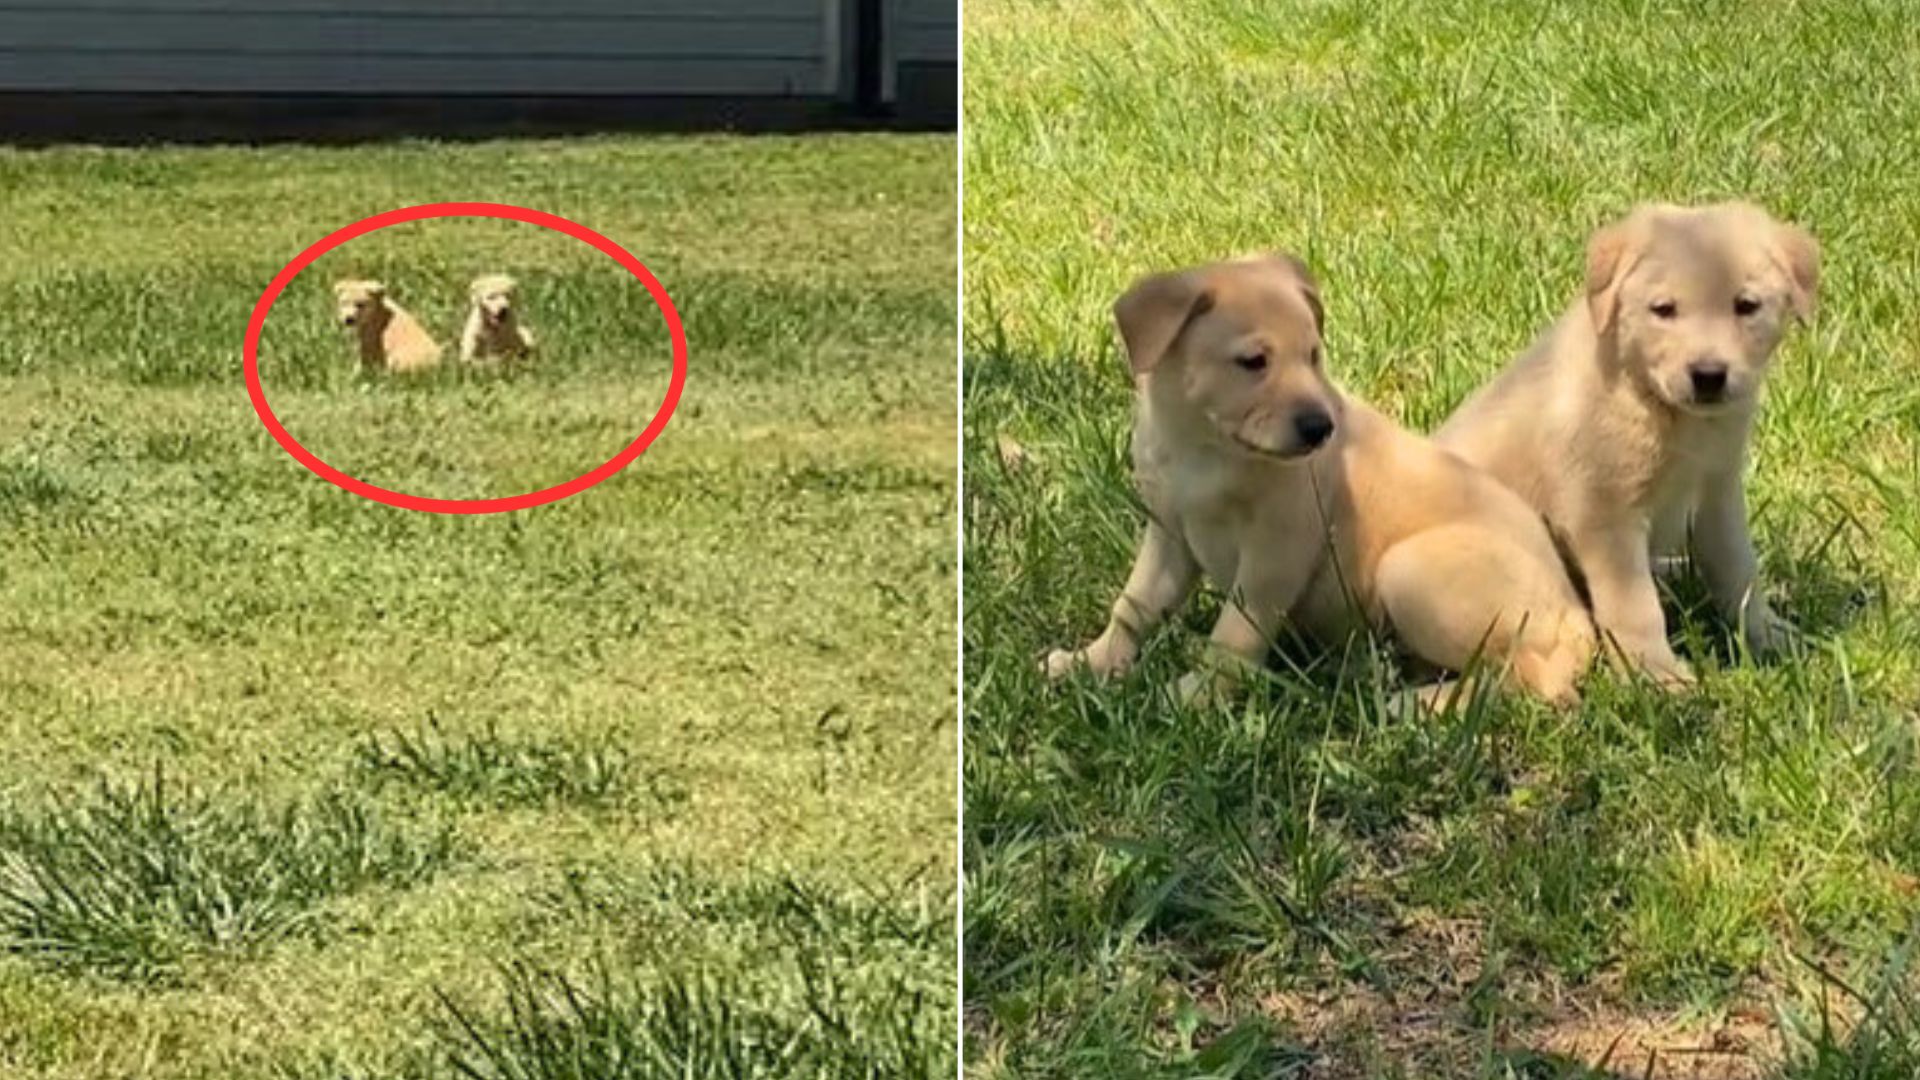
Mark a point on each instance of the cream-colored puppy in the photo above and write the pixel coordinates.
(390, 339)
(1626, 423)
(1310, 508)
(495, 328)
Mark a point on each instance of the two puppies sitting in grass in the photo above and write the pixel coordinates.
(392, 340)
(1529, 531)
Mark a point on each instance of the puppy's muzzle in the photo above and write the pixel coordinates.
(1313, 426)
(1709, 381)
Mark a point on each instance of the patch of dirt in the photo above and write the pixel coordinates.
(1452, 1016)
(1737, 1046)
(1362, 1035)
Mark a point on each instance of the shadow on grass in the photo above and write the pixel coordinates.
(1822, 602)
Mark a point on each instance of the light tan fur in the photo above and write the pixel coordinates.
(1370, 526)
(389, 338)
(1626, 423)
(495, 328)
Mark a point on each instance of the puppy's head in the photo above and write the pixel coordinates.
(1696, 299)
(1236, 345)
(358, 300)
(493, 296)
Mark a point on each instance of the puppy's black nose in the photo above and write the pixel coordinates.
(1709, 379)
(1314, 425)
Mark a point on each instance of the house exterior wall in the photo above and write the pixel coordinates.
(422, 47)
(926, 31)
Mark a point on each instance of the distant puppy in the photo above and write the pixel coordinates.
(495, 329)
(1626, 423)
(390, 339)
(1312, 509)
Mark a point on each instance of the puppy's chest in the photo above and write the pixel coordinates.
(1662, 473)
(499, 332)
(375, 338)
(1683, 485)
(1694, 456)
(1226, 517)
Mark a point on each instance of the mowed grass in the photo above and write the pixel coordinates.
(1720, 883)
(298, 785)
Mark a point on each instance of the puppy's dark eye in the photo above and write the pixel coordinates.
(1314, 356)
(1664, 309)
(1252, 361)
(1745, 305)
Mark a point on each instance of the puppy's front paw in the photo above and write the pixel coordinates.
(1671, 674)
(1197, 689)
(1108, 654)
(1060, 663)
(1771, 635)
(1654, 662)
(1207, 686)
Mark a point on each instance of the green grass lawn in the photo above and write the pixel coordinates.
(300, 786)
(1304, 884)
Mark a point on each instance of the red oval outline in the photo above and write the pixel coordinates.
(251, 351)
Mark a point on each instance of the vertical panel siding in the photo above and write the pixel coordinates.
(676, 47)
(926, 31)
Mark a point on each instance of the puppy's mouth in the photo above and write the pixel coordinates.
(1294, 453)
(1699, 404)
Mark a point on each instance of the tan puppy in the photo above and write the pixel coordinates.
(495, 329)
(1309, 507)
(1626, 423)
(390, 339)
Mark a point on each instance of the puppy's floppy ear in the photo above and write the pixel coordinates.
(1799, 254)
(376, 290)
(1607, 265)
(1309, 286)
(1152, 313)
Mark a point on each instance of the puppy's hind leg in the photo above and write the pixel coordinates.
(1458, 596)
